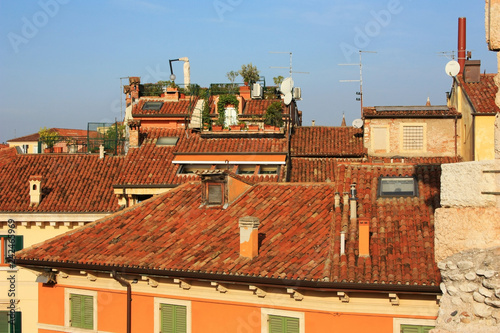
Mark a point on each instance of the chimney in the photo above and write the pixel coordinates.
(337, 199)
(313, 123)
(245, 92)
(472, 71)
(364, 237)
(249, 236)
(35, 190)
(134, 126)
(101, 152)
(461, 43)
(353, 202)
(135, 83)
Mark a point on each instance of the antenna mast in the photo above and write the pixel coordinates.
(290, 68)
(360, 92)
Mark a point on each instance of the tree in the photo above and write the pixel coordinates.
(249, 73)
(49, 137)
(277, 80)
(274, 114)
(232, 76)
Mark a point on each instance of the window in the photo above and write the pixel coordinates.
(231, 116)
(281, 321)
(167, 141)
(25, 149)
(173, 316)
(6, 326)
(155, 106)
(82, 311)
(7, 247)
(380, 140)
(407, 325)
(279, 324)
(80, 308)
(268, 169)
(415, 329)
(413, 138)
(193, 168)
(397, 187)
(215, 194)
(246, 169)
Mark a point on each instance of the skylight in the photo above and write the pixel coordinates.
(155, 106)
(167, 141)
(397, 187)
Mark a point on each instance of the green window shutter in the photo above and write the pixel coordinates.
(4, 322)
(280, 324)
(276, 324)
(19, 243)
(18, 323)
(292, 325)
(88, 312)
(82, 311)
(76, 310)
(415, 329)
(173, 318)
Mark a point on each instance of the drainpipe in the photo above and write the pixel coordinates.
(129, 299)
(456, 135)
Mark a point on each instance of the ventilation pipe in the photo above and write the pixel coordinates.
(354, 214)
(461, 43)
(101, 152)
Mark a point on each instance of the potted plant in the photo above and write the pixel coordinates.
(274, 115)
(249, 73)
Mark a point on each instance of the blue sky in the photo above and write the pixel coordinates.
(61, 60)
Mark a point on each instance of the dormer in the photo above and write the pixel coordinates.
(35, 190)
(220, 188)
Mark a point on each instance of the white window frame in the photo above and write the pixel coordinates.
(424, 137)
(161, 300)
(67, 309)
(397, 322)
(387, 137)
(265, 312)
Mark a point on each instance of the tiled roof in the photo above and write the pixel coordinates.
(259, 106)
(180, 107)
(2, 146)
(70, 182)
(327, 141)
(299, 227)
(7, 155)
(151, 164)
(482, 94)
(60, 131)
(409, 111)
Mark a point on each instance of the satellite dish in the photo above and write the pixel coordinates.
(357, 123)
(172, 77)
(286, 86)
(452, 68)
(288, 98)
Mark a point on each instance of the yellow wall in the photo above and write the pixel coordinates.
(31, 146)
(485, 144)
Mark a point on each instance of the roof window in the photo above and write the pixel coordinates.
(167, 141)
(154, 106)
(397, 187)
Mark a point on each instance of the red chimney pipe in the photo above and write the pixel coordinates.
(461, 43)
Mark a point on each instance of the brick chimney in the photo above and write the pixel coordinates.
(364, 237)
(249, 236)
(134, 126)
(35, 190)
(245, 92)
(472, 71)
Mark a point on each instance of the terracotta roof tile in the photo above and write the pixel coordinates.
(409, 111)
(70, 182)
(327, 141)
(61, 131)
(180, 107)
(482, 94)
(259, 106)
(299, 225)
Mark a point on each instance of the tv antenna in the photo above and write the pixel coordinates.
(291, 71)
(360, 92)
(448, 54)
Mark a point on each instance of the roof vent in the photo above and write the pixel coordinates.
(35, 190)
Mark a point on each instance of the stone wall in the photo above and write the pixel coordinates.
(471, 292)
